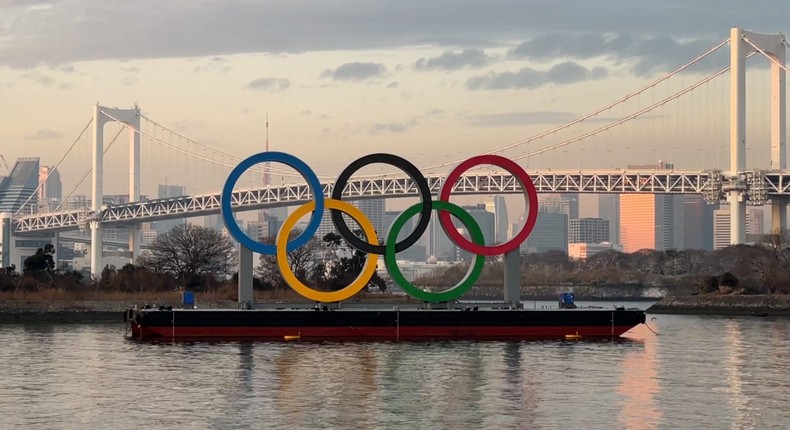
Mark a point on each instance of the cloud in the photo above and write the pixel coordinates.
(355, 72)
(45, 134)
(393, 85)
(645, 54)
(39, 78)
(187, 124)
(85, 30)
(564, 73)
(401, 126)
(454, 60)
(392, 127)
(272, 85)
(520, 118)
(215, 64)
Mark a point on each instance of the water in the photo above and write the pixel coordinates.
(701, 372)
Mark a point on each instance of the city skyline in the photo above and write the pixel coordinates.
(504, 75)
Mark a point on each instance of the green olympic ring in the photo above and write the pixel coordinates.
(472, 274)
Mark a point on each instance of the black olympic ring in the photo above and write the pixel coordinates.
(416, 176)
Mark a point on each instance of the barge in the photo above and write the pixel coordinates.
(394, 324)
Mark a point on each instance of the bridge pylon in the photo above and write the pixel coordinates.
(101, 116)
(742, 43)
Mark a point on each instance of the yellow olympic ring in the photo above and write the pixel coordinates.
(296, 284)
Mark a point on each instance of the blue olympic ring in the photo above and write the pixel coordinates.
(289, 160)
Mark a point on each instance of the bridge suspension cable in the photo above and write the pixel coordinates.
(580, 119)
(597, 111)
(629, 117)
(41, 183)
(766, 55)
(65, 199)
(277, 170)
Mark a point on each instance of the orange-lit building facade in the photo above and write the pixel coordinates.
(651, 221)
(637, 222)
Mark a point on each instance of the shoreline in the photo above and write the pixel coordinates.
(725, 305)
(111, 311)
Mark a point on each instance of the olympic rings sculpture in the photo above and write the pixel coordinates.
(371, 245)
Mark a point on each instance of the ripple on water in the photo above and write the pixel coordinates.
(706, 371)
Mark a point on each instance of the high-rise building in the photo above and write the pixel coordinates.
(588, 230)
(273, 218)
(416, 252)
(698, 222)
(168, 191)
(20, 187)
(256, 230)
(756, 221)
(50, 189)
(485, 220)
(77, 202)
(373, 210)
(213, 221)
(498, 207)
(609, 209)
(441, 247)
(651, 221)
(722, 226)
(550, 233)
(564, 203)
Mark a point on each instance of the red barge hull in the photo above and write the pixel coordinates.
(387, 325)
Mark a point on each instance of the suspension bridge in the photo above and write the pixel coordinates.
(736, 185)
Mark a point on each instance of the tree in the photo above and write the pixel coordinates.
(347, 264)
(306, 262)
(772, 268)
(9, 278)
(190, 252)
(40, 263)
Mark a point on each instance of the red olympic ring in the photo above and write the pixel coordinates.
(530, 196)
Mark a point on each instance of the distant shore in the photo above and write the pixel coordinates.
(719, 304)
(83, 311)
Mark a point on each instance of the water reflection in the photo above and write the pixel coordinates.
(700, 373)
(639, 384)
(733, 367)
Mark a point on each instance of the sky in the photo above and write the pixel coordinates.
(433, 81)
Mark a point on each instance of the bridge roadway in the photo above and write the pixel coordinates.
(760, 186)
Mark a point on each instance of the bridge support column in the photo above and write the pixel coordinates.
(5, 240)
(778, 135)
(245, 277)
(737, 217)
(97, 190)
(135, 239)
(513, 278)
(56, 243)
(135, 236)
(130, 117)
(737, 135)
(778, 214)
(96, 250)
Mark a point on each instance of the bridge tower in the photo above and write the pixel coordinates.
(742, 43)
(101, 116)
